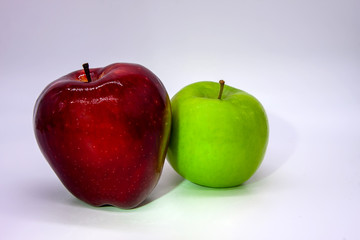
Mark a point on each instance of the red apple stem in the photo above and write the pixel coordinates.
(87, 71)
(222, 83)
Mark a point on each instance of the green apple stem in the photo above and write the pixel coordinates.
(87, 71)
(222, 83)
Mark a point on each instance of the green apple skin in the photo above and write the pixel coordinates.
(217, 142)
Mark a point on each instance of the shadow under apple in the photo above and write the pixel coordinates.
(50, 201)
(169, 180)
(52, 192)
(282, 144)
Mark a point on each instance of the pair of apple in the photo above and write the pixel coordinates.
(106, 132)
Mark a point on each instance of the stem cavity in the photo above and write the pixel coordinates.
(87, 71)
(222, 83)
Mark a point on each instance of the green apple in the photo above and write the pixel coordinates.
(219, 134)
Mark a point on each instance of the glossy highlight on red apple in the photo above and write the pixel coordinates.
(106, 134)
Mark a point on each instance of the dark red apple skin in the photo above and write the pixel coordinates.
(106, 139)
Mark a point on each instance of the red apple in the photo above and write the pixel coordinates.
(105, 132)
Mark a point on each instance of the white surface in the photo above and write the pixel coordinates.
(301, 59)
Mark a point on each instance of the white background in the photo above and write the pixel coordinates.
(300, 58)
